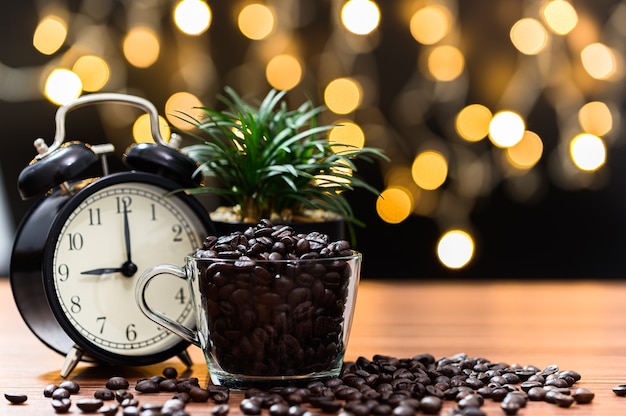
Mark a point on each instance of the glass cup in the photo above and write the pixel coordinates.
(265, 323)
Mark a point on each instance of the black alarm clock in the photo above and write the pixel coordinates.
(80, 249)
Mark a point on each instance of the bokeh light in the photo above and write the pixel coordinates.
(256, 21)
(93, 72)
(192, 17)
(179, 107)
(595, 118)
(50, 35)
(347, 136)
(587, 151)
(142, 131)
(472, 122)
(62, 86)
(560, 16)
(431, 24)
(394, 205)
(455, 249)
(529, 36)
(506, 129)
(445, 63)
(599, 61)
(343, 95)
(141, 47)
(527, 152)
(360, 17)
(429, 170)
(284, 72)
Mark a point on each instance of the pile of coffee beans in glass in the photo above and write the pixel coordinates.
(275, 300)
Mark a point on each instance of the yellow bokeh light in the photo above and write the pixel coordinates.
(599, 61)
(455, 249)
(472, 122)
(179, 105)
(446, 63)
(394, 205)
(506, 129)
(529, 36)
(284, 72)
(141, 47)
(50, 35)
(343, 95)
(93, 72)
(62, 86)
(256, 21)
(430, 24)
(560, 16)
(346, 137)
(142, 131)
(587, 152)
(429, 170)
(192, 17)
(595, 118)
(360, 17)
(527, 152)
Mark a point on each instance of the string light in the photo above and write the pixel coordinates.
(435, 138)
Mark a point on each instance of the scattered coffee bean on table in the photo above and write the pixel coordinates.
(15, 397)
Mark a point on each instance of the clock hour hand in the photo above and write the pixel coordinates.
(128, 269)
(104, 270)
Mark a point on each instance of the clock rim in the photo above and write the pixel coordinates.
(59, 218)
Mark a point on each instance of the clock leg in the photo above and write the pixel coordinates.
(185, 358)
(71, 360)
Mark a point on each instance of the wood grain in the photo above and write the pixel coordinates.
(576, 325)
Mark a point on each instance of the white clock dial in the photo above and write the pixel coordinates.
(105, 244)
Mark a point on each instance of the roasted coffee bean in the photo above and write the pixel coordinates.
(104, 394)
(89, 405)
(129, 402)
(49, 389)
(198, 394)
(131, 411)
(147, 386)
(170, 372)
(117, 383)
(620, 390)
(431, 405)
(510, 407)
(15, 397)
(563, 400)
(122, 394)
(279, 409)
(583, 395)
(61, 405)
(250, 407)
(70, 386)
(108, 410)
(60, 393)
(537, 393)
(220, 410)
(168, 385)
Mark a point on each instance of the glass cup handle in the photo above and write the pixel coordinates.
(156, 316)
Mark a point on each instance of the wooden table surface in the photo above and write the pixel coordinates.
(576, 325)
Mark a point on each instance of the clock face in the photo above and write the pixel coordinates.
(105, 243)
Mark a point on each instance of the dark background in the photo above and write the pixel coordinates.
(561, 233)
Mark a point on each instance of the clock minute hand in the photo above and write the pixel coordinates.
(127, 234)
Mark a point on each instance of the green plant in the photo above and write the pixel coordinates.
(274, 162)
